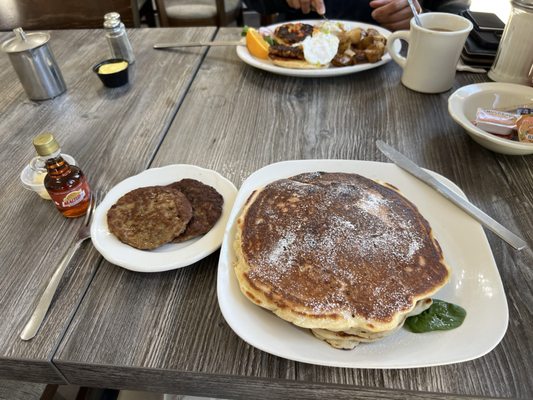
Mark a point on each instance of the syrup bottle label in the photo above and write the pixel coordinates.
(72, 197)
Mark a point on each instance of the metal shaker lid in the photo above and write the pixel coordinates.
(111, 23)
(24, 41)
(112, 20)
(112, 15)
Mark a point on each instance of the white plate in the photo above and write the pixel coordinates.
(475, 284)
(464, 102)
(267, 65)
(169, 256)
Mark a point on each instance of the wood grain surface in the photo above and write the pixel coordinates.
(16, 390)
(164, 331)
(112, 133)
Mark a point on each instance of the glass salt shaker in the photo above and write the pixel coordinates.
(515, 52)
(117, 38)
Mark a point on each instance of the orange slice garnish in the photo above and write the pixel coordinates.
(256, 45)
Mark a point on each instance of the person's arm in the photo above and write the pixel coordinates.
(266, 7)
(308, 5)
(451, 6)
(275, 6)
(396, 14)
(393, 14)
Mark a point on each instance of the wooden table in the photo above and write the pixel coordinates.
(164, 332)
(112, 134)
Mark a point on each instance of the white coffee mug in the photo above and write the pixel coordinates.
(433, 52)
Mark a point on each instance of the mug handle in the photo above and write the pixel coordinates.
(400, 60)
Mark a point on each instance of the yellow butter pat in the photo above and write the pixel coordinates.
(112, 68)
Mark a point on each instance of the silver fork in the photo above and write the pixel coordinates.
(33, 325)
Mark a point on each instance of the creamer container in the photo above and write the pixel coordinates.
(34, 64)
(33, 174)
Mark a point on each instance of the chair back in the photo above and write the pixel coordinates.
(223, 17)
(64, 14)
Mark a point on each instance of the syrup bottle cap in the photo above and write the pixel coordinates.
(45, 144)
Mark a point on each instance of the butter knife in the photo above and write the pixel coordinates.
(199, 44)
(488, 222)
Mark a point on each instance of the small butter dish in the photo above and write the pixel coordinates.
(34, 179)
(112, 72)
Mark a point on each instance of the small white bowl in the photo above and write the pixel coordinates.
(30, 180)
(464, 102)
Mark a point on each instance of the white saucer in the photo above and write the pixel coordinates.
(169, 256)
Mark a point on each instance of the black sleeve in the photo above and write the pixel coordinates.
(451, 6)
(266, 7)
(353, 10)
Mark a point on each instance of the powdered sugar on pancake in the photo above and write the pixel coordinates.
(339, 243)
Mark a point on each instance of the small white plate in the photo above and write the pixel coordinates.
(464, 102)
(475, 284)
(169, 256)
(267, 65)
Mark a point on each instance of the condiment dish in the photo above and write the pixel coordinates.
(112, 72)
(33, 180)
(464, 102)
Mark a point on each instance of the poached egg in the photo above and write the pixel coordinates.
(320, 48)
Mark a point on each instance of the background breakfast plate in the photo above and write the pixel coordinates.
(464, 102)
(169, 256)
(475, 284)
(244, 55)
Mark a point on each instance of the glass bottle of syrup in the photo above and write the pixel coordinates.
(66, 184)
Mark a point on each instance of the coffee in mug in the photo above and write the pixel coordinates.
(433, 52)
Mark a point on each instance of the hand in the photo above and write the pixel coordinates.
(307, 5)
(393, 14)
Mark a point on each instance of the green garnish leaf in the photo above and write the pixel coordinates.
(244, 30)
(270, 40)
(441, 316)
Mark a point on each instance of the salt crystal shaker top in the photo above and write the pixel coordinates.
(117, 38)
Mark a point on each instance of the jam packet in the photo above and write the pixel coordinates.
(525, 128)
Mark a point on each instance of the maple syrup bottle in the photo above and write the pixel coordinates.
(66, 184)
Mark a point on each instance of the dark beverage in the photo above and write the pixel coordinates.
(441, 29)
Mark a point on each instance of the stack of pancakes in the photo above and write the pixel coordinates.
(340, 254)
(152, 216)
